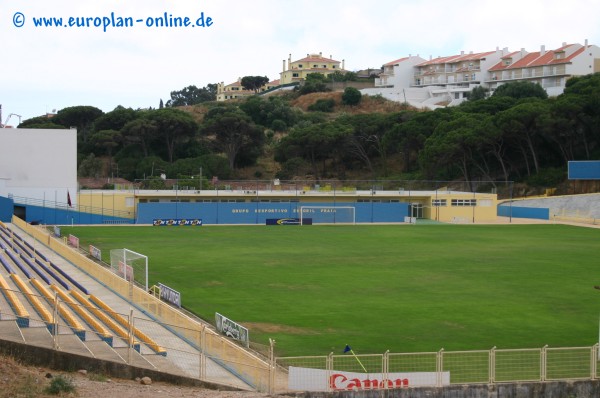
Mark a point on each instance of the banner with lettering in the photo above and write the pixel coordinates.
(307, 379)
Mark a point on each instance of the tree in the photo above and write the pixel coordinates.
(140, 131)
(313, 83)
(521, 89)
(174, 126)
(90, 167)
(450, 144)
(478, 93)
(254, 83)
(351, 96)
(264, 111)
(115, 119)
(366, 141)
(106, 140)
(313, 142)
(231, 130)
(81, 117)
(192, 95)
(525, 123)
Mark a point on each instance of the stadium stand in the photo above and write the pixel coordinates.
(102, 332)
(18, 263)
(68, 277)
(67, 315)
(112, 325)
(15, 303)
(6, 264)
(34, 254)
(35, 269)
(35, 302)
(138, 333)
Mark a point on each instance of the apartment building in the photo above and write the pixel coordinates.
(445, 81)
(550, 69)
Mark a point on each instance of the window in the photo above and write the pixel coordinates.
(315, 66)
(324, 66)
(464, 202)
(294, 74)
(300, 66)
(438, 202)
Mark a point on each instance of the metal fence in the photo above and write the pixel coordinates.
(436, 369)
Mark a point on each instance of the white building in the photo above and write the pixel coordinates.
(39, 164)
(445, 81)
(550, 69)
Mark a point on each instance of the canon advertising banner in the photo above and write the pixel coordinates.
(306, 379)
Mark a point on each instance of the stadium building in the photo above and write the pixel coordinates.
(45, 191)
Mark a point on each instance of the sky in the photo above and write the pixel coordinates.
(43, 69)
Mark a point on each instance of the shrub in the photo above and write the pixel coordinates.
(351, 96)
(323, 105)
(60, 384)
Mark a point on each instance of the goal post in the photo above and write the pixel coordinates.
(130, 266)
(328, 214)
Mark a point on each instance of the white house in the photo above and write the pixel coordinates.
(551, 69)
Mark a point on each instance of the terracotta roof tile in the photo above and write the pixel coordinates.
(313, 58)
(391, 63)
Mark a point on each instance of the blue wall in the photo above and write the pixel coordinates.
(48, 215)
(258, 212)
(539, 213)
(584, 170)
(6, 209)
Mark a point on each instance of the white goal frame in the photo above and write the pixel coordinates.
(332, 208)
(122, 264)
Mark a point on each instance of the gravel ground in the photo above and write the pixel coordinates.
(17, 380)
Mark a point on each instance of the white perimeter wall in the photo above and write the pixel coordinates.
(39, 164)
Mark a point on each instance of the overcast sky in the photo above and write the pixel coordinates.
(44, 68)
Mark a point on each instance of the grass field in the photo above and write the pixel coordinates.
(398, 288)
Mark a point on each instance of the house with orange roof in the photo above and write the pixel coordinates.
(398, 72)
(235, 90)
(450, 78)
(550, 69)
(297, 71)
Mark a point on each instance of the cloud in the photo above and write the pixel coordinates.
(58, 67)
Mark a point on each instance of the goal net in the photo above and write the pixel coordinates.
(328, 214)
(130, 266)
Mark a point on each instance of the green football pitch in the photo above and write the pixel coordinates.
(403, 288)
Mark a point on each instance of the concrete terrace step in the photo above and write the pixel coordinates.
(9, 330)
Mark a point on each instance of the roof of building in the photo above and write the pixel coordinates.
(456, 58)
(316, 58)
(538, 58)
(396, 62)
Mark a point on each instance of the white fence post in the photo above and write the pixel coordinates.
(440, 368)
(492, 366)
